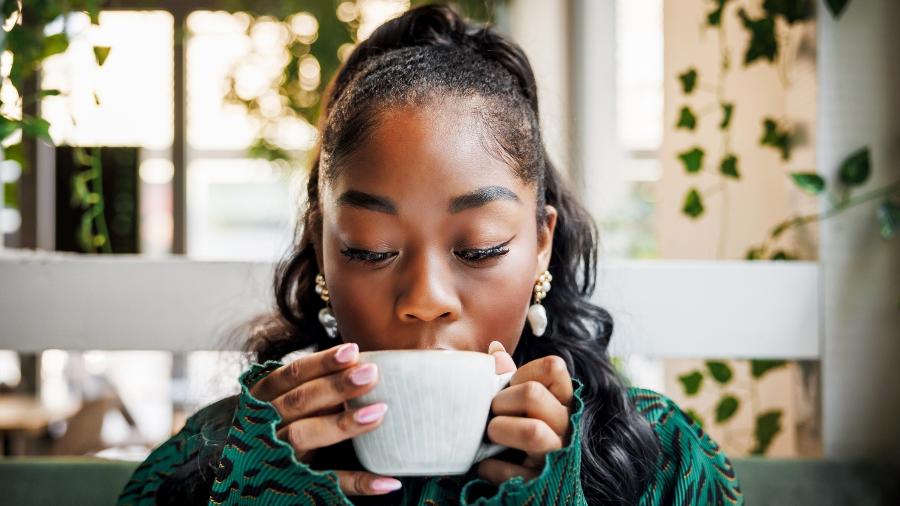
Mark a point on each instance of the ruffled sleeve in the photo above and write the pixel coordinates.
(257, 466)
(559, 482)
(692, 468)
(173, 470)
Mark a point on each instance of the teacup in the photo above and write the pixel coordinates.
(438, 406)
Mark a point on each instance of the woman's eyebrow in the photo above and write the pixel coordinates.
(364, 200)
(481, 197)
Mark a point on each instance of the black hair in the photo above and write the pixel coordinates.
(431, 54)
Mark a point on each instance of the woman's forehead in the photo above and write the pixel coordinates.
(426, 155)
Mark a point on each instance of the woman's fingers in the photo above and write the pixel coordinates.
(305, 368)
(550, 371)
(317, 432)
(503, 362)
(326, 392)
(527, 434)
(532, 400)
(363, 483)
(497, 471)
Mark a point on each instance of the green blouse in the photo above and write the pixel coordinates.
(257, 467)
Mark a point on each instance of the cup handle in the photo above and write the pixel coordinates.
(490, 449)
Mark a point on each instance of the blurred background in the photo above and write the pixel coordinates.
(741, 158)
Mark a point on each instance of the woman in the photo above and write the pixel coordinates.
(436, 220)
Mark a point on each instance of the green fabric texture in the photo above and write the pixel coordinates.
(257, 467)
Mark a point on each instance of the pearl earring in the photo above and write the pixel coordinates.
(326, 318)
(537, 314)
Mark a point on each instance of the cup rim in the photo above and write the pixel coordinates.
(448, 352)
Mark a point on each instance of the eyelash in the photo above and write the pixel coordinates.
(468, 255)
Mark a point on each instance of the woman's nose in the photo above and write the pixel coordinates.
(428, 292)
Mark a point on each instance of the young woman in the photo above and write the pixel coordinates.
(435, 219)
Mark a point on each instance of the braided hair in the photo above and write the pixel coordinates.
(431, 54)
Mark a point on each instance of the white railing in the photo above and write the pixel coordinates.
(660, 308)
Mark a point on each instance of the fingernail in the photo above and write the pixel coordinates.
(386, 484)
(346, 352)
(364, 375)
(495, 346)
(371, 413)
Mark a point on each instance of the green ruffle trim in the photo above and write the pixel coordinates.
(254, 374)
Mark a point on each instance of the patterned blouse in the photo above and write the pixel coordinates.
(255, 467)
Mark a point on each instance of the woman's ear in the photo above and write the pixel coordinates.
(545, 239)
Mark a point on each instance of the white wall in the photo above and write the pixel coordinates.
(859, 104)
(541, 27)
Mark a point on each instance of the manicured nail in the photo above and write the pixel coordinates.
(386, 484)
(495, 346)
(346, 352)
(364, 375)
(371, 413)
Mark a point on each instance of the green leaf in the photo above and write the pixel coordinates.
(762, 38)
(726, 408)
(753, 254)
(719, 371)
(793, 11)
(714, 18)
(9, 7)
(693, 205)
(686, 119)
(55, 44)
(768, 425)
(760, 367)
(809, 182)
(93, 10)
(50, 93)
(782, 255)
(727, 110)
(729, 167)
(8, 126)
(691, 382)
(37, 128)
(688, 80)
(10, 195)
(692, 158)
(836, 6)
(81, 157)
(694, 416)
(776, 137)
(855, 169)
(888, 217)
(100, 54)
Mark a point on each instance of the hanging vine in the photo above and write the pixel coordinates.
(24, 36)
(764, 46)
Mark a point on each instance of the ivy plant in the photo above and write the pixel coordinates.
(719, 374)
(25, 37)
(763, 46)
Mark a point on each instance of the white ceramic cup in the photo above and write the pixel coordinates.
(438, 406)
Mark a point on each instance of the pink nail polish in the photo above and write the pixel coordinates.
(364, 374)
(346, 353)
(371, 413)
(386, 484)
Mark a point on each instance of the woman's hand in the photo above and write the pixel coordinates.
(532, 414)
(309, 394)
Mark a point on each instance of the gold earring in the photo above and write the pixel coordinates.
(537, 314)
(326, 318)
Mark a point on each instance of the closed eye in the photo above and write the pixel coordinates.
(366, 256)
(483, 254)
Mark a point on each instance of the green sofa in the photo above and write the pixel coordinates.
(74, 481)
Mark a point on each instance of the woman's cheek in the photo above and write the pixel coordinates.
(363, 311)
(498, 304)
